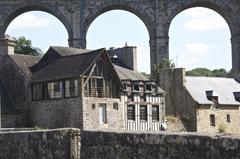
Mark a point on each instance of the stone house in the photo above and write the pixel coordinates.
(70, 87)
(204, 104)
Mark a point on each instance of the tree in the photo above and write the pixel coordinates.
(24, 46)
(164, 64)
(220, 73)
(200, 72)
(208, 73)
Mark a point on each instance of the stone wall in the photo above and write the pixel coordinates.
(56, 113)
(124, 145)
(37, 144)
(12, 120)
(74, 144)
(183, 105)
(76, 112)
(15, 82)
(115, 117)
(220, 112)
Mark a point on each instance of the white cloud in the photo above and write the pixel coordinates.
(30, 21)
(203, 19)
(196, 48)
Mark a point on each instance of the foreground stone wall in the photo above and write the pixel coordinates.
(102, 145)
(74, 144)
(27, 144)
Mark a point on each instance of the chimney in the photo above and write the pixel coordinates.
(126, 56)
(7, 45)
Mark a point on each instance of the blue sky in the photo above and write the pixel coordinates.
(199, 37)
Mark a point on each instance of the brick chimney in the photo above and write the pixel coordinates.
(7, 45)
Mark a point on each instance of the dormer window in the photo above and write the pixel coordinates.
(212, 96)
(149, 87)
(136, 87)
(237, 96)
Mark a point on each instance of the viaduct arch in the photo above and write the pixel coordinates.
(77, 16)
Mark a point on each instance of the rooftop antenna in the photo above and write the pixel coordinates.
(176, 60)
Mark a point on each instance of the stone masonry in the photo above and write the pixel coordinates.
(76, 144)
(77, 16)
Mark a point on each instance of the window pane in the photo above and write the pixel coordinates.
(71, 88)
(131, 112)
(55, 90)
(102, 114)
(228, 118)
(155, 113)
(37, 92)
(212, 120)
(143, 112)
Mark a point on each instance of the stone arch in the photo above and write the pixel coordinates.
(220, 8)
(136, 10)
(10, 15)
(229, 11)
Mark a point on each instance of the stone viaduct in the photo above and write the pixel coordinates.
(77, 16)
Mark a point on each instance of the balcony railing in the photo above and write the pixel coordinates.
(98, 92)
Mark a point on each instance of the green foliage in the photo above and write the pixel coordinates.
(164, 64)
(146, 75)
(208, 73)
(24, 46)
(222, 128)
(171, 118)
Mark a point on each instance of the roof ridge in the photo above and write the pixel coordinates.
(209, 77)
(84, 53)
(67, 47)
(24, 55)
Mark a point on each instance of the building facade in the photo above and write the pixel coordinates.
(70, 87)
(204, 104)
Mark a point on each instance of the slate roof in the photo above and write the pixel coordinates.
(66, 51)
(224, 87)
(67, 66)
(24, 62)
(126, 74)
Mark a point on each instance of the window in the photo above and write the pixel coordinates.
(102, 113)
(37, 91)
(131, 98)
(228, 118)
(143, 112)
(212, 120)
(55, 90)
(115, 106)
(155, 113)
(100, 88)
(143, 98)
(148, 87)
(71, 88)
(131, 112)
(136, 87)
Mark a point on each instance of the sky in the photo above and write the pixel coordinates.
(199, 37)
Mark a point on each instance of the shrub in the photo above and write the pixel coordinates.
(222, 128)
